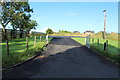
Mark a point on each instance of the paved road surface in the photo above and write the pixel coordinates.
(65, 58)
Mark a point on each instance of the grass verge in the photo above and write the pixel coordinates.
(113, 48)
(18, 51)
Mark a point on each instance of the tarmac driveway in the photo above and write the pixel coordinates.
(65, 58)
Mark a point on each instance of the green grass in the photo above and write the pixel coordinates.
(113, 48)
(18, 51)
(80, 40)
(112, 45)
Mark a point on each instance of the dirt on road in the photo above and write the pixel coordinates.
(65, 58)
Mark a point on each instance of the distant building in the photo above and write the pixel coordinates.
(76, 32)
(89, 31)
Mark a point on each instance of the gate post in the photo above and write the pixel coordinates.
(47, 38)
(87, 41)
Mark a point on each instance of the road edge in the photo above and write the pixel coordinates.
(100, 54)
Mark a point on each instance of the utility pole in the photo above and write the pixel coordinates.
(104, 33)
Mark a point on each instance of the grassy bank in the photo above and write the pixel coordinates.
(111, 36)
(18, 51)
(113, 48)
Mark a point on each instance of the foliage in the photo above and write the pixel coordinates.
(15, 12)
(31, 25)
(49, 31)
(64, 31)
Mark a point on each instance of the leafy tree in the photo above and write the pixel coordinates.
(11, 12)
(92, 32)
(31, 25)
(49, 31)
(4, 21)
(22, 15)
(5, 18)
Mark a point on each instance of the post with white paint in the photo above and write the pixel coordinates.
(87, 41)
(40, 38)
(35, 41)
(47, 38)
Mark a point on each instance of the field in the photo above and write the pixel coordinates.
(66, 34)
(113, 48)
(18, 51)
(110, 36)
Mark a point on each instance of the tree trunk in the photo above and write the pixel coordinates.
(27, 41)
(5, 35)
(7, 47)
(6, 39)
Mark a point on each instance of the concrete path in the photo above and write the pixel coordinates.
(65, 58)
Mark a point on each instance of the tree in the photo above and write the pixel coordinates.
(92, 32)
(49, 31)
(11, 12)
(30, 24)
(5, 18)
(23, 15)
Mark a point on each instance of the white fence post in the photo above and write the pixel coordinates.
(35, 41)
(40, 38)
(47, 38)
(87, 41)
